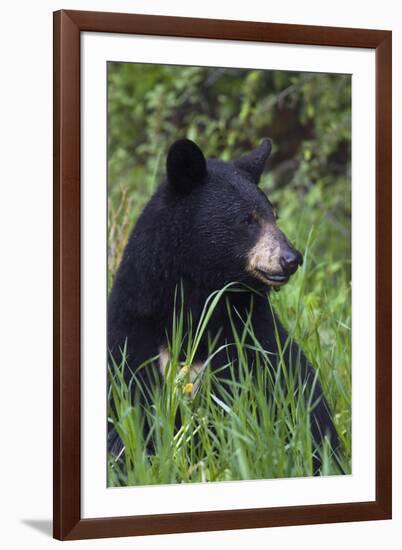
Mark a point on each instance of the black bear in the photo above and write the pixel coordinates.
(208, 224)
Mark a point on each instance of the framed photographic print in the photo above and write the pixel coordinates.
(222, 266)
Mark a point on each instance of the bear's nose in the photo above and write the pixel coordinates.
(290, 261)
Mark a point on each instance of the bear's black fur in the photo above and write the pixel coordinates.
(208, 224)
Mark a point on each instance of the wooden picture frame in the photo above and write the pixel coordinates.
(68, 26)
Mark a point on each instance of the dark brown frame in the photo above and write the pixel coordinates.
(68, 26)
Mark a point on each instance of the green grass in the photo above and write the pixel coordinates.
(246, 435)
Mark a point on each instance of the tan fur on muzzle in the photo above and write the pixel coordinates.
(266, 253)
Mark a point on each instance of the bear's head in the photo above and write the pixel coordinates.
(233, 234)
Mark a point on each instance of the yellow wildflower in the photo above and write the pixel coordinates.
(188, 388)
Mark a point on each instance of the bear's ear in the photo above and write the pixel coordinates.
(253, 163)
(186, 166)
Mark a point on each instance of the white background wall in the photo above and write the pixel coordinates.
(26, 274)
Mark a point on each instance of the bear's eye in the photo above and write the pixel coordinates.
(250, 219)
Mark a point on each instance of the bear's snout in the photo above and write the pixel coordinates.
(273, 259)
(290, 260)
